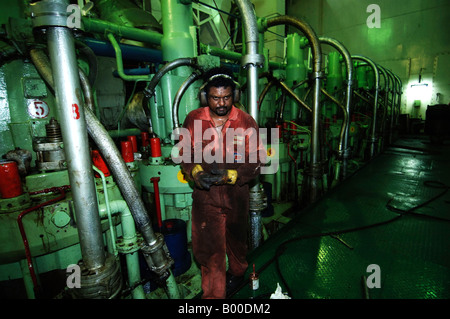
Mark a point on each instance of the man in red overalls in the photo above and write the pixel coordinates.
(228, 163)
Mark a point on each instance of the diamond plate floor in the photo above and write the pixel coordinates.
(411, 250)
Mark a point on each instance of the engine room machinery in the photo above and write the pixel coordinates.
(92, 94)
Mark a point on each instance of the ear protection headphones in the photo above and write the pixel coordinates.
(204, 94)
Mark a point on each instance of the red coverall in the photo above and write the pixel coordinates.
(220, 215)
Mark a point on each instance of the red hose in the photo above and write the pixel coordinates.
(22, 229)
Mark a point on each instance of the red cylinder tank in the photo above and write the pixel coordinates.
(10, 183)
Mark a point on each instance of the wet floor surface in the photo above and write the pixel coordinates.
(383, 233)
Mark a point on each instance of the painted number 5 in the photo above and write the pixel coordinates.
(75, 111)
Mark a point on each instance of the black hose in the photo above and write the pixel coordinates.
(149, 91)
(282, 247)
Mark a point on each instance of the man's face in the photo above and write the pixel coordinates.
(220, 100)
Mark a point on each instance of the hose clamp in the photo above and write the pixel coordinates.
(254, 59)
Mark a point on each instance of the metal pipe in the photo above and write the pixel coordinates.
(150, 89)
(293, 95)
(119, 62)
(399, 95)
(264, 92)
(375, 101)
(108, 210)
(285, 87)
(101, 27)
(344, 122)
(76, 144)
(349, 66)
(315, 165)
(385, 102)
(130, 238)
(121, 174)
(160, 259)
(252, 60)
(24, 235)
(176, 101)
(393, 103)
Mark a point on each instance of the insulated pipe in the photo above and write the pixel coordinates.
(76, 144)
(375, 102)
(251, 61)
(116, 164)
(349, 66)
(315, 165)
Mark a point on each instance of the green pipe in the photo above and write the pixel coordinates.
(119, 62)
(28, 282)
(130, 238)
(103, 27)
(108, 210)
(177, 41)
(172, 287)
(151, 37)
(231, 55)
(295, 69)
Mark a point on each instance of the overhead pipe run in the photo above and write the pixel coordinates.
(316, 169)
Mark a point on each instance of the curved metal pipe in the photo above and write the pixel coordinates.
(177, 99)
(252, 59)
(169, 66)
(375, 102)
(315, 165)
(349, 66)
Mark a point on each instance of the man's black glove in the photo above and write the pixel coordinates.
(205, 180)
(226, 176)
